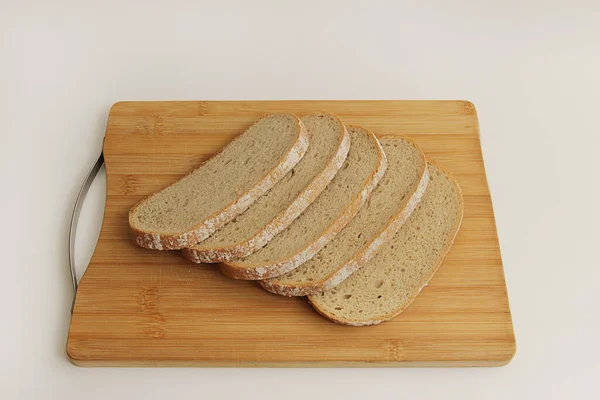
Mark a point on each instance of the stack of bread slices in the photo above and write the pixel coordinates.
(311, 207)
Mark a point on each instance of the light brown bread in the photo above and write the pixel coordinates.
(191, 209)
(387, 284)
(276, 209)
(387, 209)
(324, 218)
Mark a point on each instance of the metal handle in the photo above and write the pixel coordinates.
(75, 218)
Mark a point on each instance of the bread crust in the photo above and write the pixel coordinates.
(359, 259)
(280, 267)
(286, 217)
(395, 312)
(176, 241)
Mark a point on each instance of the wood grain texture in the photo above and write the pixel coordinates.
(139, 307)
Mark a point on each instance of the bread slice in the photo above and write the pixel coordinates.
(387, 284)
(324, 218)
(191, 209)
(387, 209)
(279, 207)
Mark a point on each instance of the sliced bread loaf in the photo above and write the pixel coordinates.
(191, 209)
(280, 206)
(387, 209)
(387, 284)
(324, 218)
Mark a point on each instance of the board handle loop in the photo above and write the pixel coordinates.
(75, 219)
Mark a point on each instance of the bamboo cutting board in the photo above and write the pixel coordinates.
(138, 307)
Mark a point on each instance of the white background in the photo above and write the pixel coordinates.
(531, 68)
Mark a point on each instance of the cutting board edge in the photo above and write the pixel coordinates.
(90, 363)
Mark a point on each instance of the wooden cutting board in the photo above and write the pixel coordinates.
(138, 307)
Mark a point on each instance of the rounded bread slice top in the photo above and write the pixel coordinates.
(324, 218)
(386, 285)
(280, 206)
(390, 205)
(225, 185)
